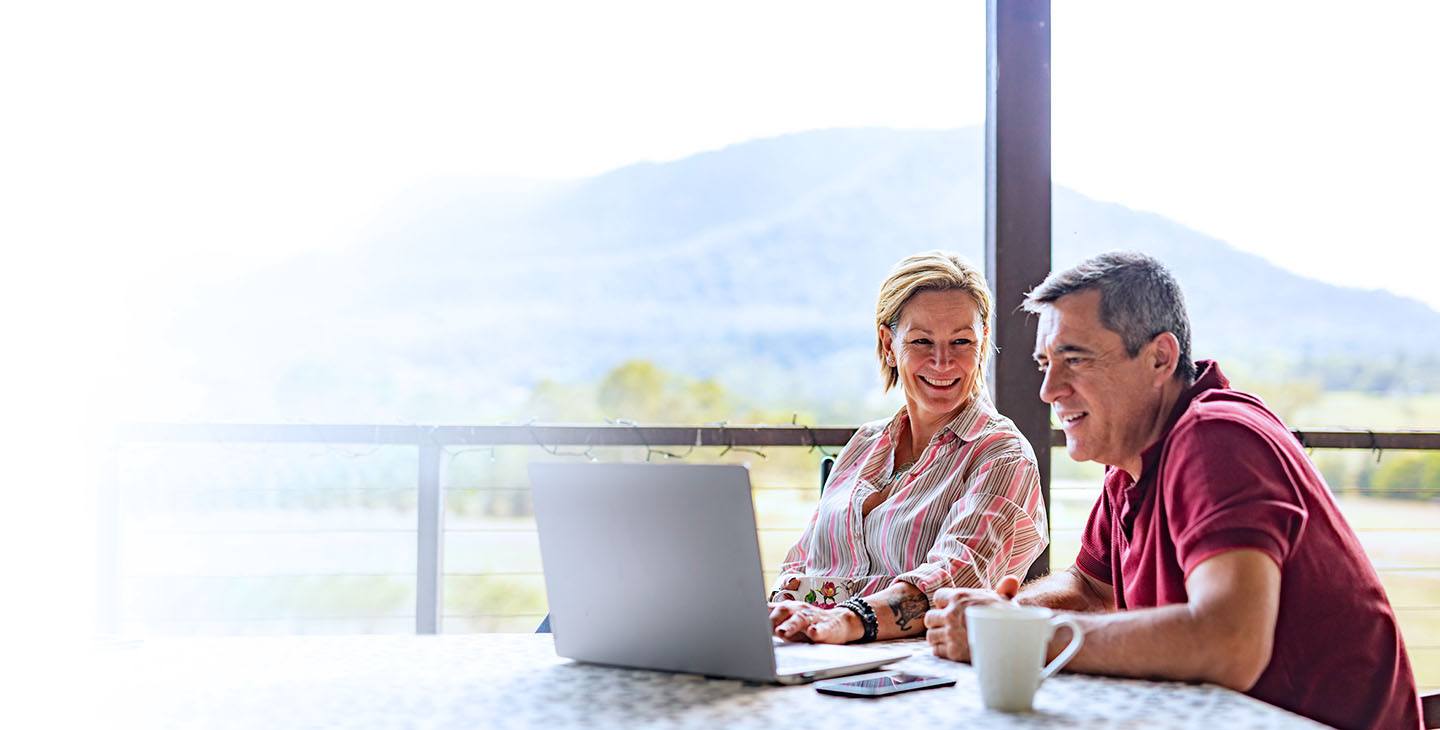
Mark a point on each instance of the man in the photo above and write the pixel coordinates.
(1215, 552)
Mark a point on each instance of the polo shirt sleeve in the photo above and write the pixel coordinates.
(1226, 487)
(1094, 555)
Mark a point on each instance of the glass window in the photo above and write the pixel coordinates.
(1279, 159)
(498, 213)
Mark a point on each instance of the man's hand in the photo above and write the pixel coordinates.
(800, 621)
(945, 621)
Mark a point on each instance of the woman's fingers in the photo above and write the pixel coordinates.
(792, 619)
(794, 629)
(778, 613)
(829, 628)
(820, 632)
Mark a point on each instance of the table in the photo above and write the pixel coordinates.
(517, 681)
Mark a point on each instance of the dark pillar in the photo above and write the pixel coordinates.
(1017, 209)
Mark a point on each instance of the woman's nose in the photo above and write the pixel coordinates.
(944, 355)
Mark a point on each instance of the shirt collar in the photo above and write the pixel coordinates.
(1208, 377)
(967, 425)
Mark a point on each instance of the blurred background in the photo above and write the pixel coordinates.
(325, 213)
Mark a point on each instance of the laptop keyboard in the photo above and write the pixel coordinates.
(798, 665)
(797, 658)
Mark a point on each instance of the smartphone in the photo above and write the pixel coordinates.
(879, 684)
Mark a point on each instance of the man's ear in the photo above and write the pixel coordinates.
(1163, 356)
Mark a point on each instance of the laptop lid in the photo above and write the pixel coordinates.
(654, 566)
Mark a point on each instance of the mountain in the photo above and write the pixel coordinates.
(757, 264)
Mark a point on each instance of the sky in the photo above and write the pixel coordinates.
(152, 149)
(203, 141)
(161, 148)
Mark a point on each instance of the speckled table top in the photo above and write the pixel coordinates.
(517, 681)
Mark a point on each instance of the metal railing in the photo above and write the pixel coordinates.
(433, 441)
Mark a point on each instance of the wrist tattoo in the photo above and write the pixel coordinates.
(907, 609)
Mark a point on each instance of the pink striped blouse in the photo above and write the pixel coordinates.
(965, 515)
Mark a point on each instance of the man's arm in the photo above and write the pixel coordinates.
(1069, 590)
(1224, 634)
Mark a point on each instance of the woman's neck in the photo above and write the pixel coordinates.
(918, 432)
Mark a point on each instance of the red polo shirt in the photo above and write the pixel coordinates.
(1227, 475)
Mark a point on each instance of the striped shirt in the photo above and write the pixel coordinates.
(967, 514)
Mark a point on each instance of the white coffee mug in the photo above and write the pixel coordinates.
(1007, 649)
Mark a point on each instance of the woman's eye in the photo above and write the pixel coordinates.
(963, 342)
(920, 341)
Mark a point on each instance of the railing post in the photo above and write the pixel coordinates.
(429, 533)
(107, 543)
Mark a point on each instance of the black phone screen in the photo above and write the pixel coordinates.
(894, 680)
(881, 684)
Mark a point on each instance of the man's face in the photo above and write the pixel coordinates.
(1106, 401)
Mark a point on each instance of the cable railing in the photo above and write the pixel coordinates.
(422, 513)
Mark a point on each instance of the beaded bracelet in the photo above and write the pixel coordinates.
(867, 617)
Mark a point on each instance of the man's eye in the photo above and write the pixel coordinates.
(1073, 361)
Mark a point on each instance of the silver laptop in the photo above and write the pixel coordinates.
(657, 566)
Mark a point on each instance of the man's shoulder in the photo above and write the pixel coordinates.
(1220, 413)
(1230, 436)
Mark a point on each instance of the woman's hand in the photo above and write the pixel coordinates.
(791, 586)
(800, 621)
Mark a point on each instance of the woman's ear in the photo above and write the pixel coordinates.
(887, 344)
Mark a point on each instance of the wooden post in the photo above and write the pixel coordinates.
(1017, 210)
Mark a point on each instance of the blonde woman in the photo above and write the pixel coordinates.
(944, 494)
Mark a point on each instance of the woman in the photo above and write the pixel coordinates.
(944, 494)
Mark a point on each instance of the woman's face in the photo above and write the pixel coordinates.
(936, 349)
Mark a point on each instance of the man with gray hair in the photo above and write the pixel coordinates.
(1215, 552)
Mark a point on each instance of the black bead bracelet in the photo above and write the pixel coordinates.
(868, 620)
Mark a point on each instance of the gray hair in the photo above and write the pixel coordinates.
(1139, 299)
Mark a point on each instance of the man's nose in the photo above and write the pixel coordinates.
(1052, 386)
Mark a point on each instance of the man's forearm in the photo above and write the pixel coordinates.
(1064, 591)
(1168, 642)
(1224, 634)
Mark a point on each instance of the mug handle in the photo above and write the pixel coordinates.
(1077, 640)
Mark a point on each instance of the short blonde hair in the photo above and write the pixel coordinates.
(931, 271)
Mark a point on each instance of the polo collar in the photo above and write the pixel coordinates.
(1209, 378)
